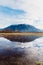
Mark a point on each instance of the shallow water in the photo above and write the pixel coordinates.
(33, 49)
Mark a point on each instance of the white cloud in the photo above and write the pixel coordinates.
(34, 9)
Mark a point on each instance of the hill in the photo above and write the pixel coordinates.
(20, 28)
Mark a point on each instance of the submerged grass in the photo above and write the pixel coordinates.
(37, 63)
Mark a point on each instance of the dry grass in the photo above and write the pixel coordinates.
(24, 33)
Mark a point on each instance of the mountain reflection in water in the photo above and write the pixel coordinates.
(29, 51)
(21, 38)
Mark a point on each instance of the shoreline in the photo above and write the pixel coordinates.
(23, 33)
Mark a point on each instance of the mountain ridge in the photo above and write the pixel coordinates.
(22, 28)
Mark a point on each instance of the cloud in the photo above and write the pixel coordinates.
(39, 23)
(33, 9)
(10, 16)
(12, 12)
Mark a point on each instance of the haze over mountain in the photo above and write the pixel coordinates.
(22, 28)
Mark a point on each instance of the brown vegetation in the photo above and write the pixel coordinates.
(8, 31)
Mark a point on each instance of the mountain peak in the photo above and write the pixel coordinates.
(22, 28)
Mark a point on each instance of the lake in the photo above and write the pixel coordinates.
(21, 53)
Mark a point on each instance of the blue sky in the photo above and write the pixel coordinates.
(21, 12)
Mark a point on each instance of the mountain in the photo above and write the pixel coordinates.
(22, 28)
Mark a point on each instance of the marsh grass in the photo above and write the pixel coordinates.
(37, 63)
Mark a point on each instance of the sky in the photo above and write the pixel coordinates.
(21, 12)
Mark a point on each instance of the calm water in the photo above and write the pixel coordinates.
(33, 49)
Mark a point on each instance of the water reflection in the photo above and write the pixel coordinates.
(33, 49)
